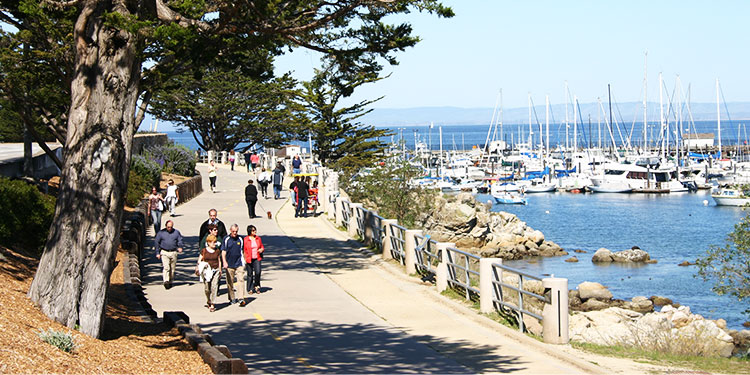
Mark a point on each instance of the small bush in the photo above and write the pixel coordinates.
(147, 168)
(27, 215)
(173, 158)
(59, 339)
(137, 187)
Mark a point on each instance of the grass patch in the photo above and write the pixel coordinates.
(731, 365)
(500, 317)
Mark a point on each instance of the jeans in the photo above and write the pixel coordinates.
(156, 219)
(294, 196)
(264, 189)
(301, 208)
(296, 170)
(276, 191)
(252, 270)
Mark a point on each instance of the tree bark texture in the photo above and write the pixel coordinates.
(71, 282)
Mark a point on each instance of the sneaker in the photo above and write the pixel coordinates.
(243, 303)
(166, 285)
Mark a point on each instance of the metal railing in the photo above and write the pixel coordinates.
(498, 293)
(426, 254)
(397, 242)
(360, 214)
(378, 232)
(460, 271)
(346, 213)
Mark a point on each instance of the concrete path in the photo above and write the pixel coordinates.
(328, 306)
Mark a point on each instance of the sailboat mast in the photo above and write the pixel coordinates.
(531, 130)
(661, 113)
(566, 116)
(575, 123)
(645, 103)
(546, 116)
(718, 115)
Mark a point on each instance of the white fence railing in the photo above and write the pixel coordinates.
(449, 267)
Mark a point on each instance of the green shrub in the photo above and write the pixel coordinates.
(27, 215)
(147, 168)
(137, 187)
(59, 339)
(173, 158)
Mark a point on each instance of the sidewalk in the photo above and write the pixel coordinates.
(327, 306)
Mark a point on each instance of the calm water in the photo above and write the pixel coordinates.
(671, 228)
(463, 137)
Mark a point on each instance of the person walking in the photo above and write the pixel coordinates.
(251, 198)
(155, 207)
(296, 164)
(168, 243)
(231, 256)
(264, 178)
(212, 219)
(255, 160)
(278, 179)
(209, 270)
(213, 230)
(232, 158)
(212, 175)
(302, 194)
(173, 196)
(293, 191)
(253, 251)
(248, 160)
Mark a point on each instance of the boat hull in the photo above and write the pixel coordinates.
(730, 201)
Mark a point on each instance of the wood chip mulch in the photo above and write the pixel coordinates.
(129, 345)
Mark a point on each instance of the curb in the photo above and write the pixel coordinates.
(218, 357)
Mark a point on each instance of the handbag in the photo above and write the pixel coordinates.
(160, 206)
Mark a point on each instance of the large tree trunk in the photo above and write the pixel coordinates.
(71, 282)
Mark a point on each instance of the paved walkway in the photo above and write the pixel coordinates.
(328, 306)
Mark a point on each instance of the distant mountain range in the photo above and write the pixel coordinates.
(622, 112)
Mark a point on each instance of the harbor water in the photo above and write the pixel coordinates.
(672, 228)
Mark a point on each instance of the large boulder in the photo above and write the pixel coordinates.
(587, 290)
(639, 304)
(631, 256)
(653, 331)
(472, 227)
(602, 256)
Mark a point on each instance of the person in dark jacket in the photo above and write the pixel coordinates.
(251, 198)
(278, 180)
(302, 194)
(212, 219)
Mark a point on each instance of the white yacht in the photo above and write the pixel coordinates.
(640, 179)
(730, 196)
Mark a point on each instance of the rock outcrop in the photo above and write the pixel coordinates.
(471, 226)
(671, 330)
(634, 255)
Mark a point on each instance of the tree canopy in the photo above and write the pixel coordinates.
(341, 141)
(224, 107)
(122, 51)
(728, 267)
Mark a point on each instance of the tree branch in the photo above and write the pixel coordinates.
(142, 110)
(166, 14)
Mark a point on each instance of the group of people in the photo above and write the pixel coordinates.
(238, 258)
(158, 204)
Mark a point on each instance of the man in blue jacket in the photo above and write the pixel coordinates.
(231, 254)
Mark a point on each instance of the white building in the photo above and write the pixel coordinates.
(698, 140)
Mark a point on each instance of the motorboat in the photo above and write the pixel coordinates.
(509, 197)
(611, 187)
(730, 196)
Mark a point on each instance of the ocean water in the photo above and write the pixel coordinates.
(672, 228)
(464, 137)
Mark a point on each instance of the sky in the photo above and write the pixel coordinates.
(535, 46)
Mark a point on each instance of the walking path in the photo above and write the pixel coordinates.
(329, 306)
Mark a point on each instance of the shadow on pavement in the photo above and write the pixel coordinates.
(288, 346)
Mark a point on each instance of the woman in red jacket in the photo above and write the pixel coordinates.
(253, 251)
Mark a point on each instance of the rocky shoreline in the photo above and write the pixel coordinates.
(596, 317)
